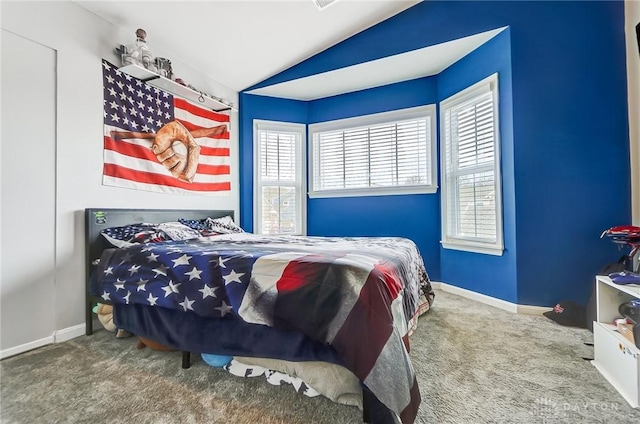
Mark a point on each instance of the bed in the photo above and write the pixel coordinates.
(353, 302)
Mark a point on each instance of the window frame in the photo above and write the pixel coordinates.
(428, 111)
(299, 130)
(455, 241)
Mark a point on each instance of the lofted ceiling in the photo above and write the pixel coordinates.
(414, 64)
(239, 43)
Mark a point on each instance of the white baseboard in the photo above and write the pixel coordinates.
(492, 301)
(69, 333)
(5, 353)
(57, 337)
(533, 310)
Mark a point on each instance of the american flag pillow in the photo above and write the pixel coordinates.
(132, 234)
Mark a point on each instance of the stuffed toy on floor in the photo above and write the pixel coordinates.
(105, 316)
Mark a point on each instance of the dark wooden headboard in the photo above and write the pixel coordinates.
(97, 219)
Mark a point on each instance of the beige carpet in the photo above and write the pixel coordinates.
(475, 364)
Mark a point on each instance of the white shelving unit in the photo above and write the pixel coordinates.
(173, 87)
(617, 359)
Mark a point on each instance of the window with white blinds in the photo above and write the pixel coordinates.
(279, 178)
(386, 153)
(470, 166)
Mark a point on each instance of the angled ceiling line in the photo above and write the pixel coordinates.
(401, 67)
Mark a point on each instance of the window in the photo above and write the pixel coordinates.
(385, 153)
(279, 188)
(470, 166)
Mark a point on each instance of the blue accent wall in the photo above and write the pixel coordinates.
(563, 132)
(572, 171)
(268, 109)
(494, 276)
(413, 216)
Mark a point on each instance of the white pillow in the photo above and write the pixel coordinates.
(224, 225)
(178, 231)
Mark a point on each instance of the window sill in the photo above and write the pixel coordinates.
(378, 192)
(495, 250)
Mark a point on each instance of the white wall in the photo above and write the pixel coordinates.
(81, 40)
(632, 17)
(27, 271)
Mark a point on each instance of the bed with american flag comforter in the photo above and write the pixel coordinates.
(362, 296)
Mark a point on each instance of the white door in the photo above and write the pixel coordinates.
(27, 205)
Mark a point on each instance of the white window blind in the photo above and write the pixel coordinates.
(389, 153)
(471, 206)
(279, 186)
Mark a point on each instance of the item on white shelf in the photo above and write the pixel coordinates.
(625, 277)
(138, 53)
(630, 310)
(164, 67)
(626, 330)
(626, 235)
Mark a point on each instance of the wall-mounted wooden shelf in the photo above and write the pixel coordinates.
(174, 88)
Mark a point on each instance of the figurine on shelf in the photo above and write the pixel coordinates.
(164, 67)
(138, 53)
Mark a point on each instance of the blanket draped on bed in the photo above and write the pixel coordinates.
(360, 295)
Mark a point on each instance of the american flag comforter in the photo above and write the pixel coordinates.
(360, 295)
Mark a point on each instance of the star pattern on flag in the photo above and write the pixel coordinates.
(233, 277)
(186, 304)
(188, 276)
(132, 105)
(224, 308)
(142, 285)
(134, 268)
(208, 291)
(182, 260)
(119, 285)
(161, 270)
(171, 288)
(221, 262)
(194, 273)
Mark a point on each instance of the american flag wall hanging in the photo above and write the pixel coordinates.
(157, 142)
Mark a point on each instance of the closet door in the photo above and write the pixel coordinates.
(28, 181)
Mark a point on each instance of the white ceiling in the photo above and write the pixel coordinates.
(401, 67)
(239, 43)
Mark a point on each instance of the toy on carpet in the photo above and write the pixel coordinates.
(105, 316)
